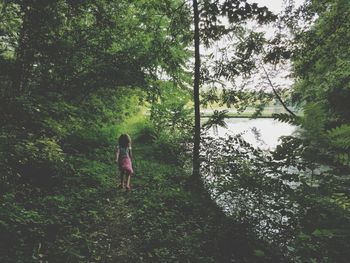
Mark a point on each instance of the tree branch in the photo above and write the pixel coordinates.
(275, 92)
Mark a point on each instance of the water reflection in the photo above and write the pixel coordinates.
(263, 133)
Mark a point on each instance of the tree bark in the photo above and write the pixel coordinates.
(197, 128)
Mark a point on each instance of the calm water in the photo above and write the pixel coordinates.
(264, 132)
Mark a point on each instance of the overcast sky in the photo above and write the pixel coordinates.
(274, 5)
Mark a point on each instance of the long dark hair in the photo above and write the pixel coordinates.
(124, 140)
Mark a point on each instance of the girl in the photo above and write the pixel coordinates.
(123, 157)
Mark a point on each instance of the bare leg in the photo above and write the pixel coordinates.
(128, 182)
(122, 179)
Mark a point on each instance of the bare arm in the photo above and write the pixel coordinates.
(130, 153)
(117, 155)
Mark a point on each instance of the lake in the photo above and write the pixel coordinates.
(257, 206)
(263, 132)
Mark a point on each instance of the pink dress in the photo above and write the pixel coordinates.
(124, 162)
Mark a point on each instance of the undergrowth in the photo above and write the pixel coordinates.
(88, 219)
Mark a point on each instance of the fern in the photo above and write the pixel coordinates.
(217, 119)
(340, 136)
(287, 118)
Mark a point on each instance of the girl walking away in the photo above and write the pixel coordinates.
(123, 158)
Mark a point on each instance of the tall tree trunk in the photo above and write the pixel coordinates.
(24, 54)
(196, 161)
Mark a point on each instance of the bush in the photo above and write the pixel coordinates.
(172, 147)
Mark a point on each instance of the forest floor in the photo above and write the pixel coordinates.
(90, 219)
(160, 220)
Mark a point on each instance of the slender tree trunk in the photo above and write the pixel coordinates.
(196, 161)
(24, 55)
(276, 94)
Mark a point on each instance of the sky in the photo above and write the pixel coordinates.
(274, 5)
(280, 80)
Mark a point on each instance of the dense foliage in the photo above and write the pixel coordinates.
(76, 74)
(287, 199)
(321, 65)
(297, 197)
(71, 73)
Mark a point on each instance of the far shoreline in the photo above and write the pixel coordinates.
(231, 116)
